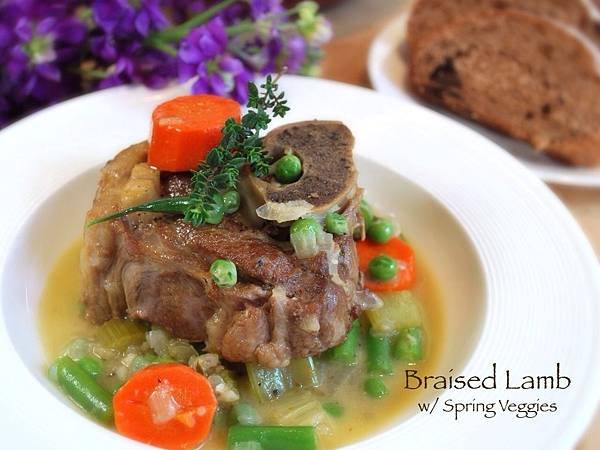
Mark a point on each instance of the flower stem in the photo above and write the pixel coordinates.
(176, 33)
(161, 45)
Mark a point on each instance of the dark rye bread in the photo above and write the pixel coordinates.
(428, 15)
(525, 75)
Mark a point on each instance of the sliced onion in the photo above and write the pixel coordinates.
(284, 212)
(368, 300)
(159, 341)
(162, 403)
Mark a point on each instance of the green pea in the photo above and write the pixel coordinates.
(383, 268)
(288, 169)
(307, 225)
(223, 273)
(380, 231)
(336, 223)
(334, 409)
(231, 201)
(366, 212)
(409, 345)
(375, 387)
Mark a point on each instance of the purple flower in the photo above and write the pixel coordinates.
(123, 20)
(260, 8)
(118, 43)
(295, 52)
(201, 44)
(52, 49)
(34, 61)
(226, 76)
(203, 55)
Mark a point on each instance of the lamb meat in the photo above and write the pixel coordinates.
(156, 268)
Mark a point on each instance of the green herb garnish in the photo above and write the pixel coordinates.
(241, 144)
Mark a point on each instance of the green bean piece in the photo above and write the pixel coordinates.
(248, 445)
(336, 224)
(223, 273)
(216, 210)
(272, 437)
(383, 268)
(334, 409)
(409, 345)
(380, 231)
(170, 205)
(83, 389)
(375, 387)
(91, 364)
(379, 360)
(366, 212)
(246, 414)
(288, 169)
(346, 351)
(231, 201)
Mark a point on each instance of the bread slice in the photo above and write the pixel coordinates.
(528, 76)
(429, 15)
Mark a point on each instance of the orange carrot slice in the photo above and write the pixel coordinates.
(185, 128)
(168, 405)
(395, 248)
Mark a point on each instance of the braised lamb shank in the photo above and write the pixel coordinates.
(156, 267)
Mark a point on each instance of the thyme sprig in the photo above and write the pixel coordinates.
(241, 144)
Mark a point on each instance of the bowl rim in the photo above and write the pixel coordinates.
(529, 186)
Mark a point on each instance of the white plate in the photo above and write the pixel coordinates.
(387, 74)
(519, 281)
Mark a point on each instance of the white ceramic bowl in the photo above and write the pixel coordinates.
(519, 281)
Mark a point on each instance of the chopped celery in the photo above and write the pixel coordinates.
(409, 345)
(304, 237)
(141, 361)
(78, 348)
(346, 351)
(221, 417)
(268, 384)
(121, 333)
(53, 372)
(246, 414)
(335, 374)
(334, 409)
(300, 407)
(305, 372)
(271, 438)
(400, 310)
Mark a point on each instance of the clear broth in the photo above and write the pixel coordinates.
(60, 321)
